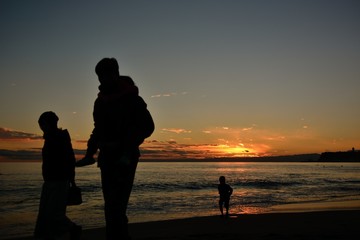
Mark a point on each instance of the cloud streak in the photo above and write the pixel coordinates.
(8, 134)
(168, 94)
(176, 130)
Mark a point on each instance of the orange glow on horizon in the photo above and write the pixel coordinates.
(237, 151)
(221, 144)
(174, 150)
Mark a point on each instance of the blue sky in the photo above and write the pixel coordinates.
(221, 78)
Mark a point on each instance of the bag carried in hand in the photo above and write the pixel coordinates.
(74, 196)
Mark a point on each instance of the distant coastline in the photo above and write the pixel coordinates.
(347, 156)
(313, 157)
(344, 156)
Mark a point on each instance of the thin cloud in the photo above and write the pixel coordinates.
(176, 130)
(156, 96)
(229, 131)
(168, 94)
(9, 134)
(163, 95)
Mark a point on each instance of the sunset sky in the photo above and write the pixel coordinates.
(221, 78)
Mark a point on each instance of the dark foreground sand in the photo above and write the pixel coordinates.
(309, 225)
(329, 225)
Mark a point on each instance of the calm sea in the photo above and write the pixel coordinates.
(177, 190)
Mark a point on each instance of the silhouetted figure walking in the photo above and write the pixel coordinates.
(58, 170)
(121, 123)
(225, 192)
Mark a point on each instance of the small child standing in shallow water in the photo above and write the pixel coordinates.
(58, 170)
(225, 192)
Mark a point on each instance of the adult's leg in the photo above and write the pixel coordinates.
(117, 182)
(40, 226)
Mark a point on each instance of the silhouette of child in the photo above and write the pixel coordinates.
(225, 192)
(58, 171)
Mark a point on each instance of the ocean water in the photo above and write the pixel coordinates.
(177, 190)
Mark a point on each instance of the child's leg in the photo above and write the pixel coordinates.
(221, 207)
(52, 220)
(227, 207)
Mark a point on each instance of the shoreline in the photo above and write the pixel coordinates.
(319, 220)
(344, 205)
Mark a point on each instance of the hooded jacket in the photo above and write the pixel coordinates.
(121, 120)
(58, 157)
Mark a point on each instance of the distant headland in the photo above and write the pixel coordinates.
(348, 156)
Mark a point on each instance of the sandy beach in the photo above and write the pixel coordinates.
(331, 224)
(309, 225)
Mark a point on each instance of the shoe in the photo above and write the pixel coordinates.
(85, 162)
(75, 232)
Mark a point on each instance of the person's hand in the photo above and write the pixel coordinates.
(85, 161)
(72, 183)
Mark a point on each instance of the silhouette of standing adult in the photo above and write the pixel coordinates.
(121, 123)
